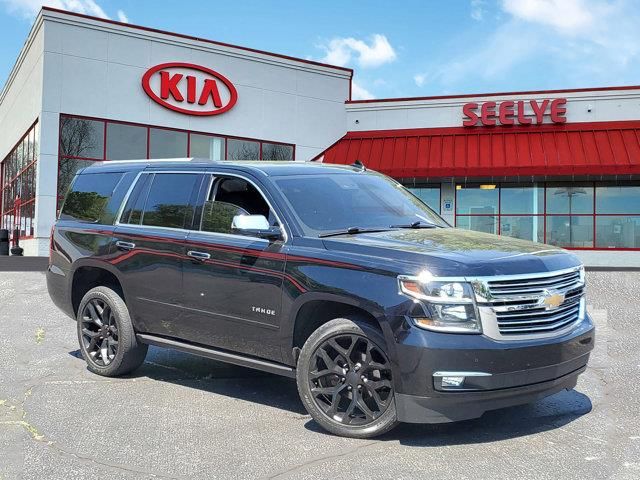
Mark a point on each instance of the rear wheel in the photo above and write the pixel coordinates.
(344, 379)
(105, 332)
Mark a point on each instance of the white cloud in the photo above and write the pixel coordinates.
(577, 42)
(477, 10)
(340, 51)
(30, 8)
(567, 16)
(122, 16)
(360, 93)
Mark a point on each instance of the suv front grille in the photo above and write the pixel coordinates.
(535, 305)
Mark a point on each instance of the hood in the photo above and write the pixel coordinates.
(454, 252)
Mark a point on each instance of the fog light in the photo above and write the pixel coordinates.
(461, 381)
(452, 381)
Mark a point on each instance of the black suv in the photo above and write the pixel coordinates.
(333, 275)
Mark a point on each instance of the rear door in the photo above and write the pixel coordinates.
(233, 283)
(149, 248)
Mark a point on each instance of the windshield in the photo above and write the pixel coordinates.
(327, 203)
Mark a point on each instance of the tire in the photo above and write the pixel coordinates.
(103, 318)
(343, 374)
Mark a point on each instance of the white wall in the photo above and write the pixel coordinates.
(593, 106)
(88, 67)
(20, 107)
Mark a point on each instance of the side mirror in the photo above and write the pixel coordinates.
(255, 226)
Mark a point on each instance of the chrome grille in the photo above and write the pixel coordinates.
(517, 302)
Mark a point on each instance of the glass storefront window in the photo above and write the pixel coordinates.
(569, 198)
(521, 199)
(165, 143)
(206, 146)
(484, 223)
(566, 231)
(617, 198)
(476, 199)
(81, 138)
(126, 142)
(242, 150)
(18, 185)
(276, 151)
(429, 195)
(620, 231)
(523, 227)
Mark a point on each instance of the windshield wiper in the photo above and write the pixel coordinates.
(352, 231)
(417, 224)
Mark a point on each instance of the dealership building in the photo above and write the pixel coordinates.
(558, 167)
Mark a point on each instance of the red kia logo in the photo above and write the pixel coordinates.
(189, 89)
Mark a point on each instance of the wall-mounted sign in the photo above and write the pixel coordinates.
(189, 89)
(510, 112)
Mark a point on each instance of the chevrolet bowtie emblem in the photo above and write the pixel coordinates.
(551, 299)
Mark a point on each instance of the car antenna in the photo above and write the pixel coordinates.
(359, 164)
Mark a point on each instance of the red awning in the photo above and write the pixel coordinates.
(602, 148)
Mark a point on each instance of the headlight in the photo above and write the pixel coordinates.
(443, 306)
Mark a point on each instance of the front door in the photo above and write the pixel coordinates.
(233, 283)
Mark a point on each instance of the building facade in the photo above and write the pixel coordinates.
(558, 167)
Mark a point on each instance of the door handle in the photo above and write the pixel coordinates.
(125, 245)
(201, 256)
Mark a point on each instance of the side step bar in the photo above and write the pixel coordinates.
(234, 358)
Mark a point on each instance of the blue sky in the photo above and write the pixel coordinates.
(398, 48)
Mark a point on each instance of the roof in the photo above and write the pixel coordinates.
(599, 148)
(621, 88)
(199, 39)
(267, 168)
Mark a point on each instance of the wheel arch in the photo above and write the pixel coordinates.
(312, 310)
(87, 274)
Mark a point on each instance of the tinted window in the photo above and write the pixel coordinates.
(89, 196)
(242, 150)
(206, 146)
(167, 204)
(569, 198)
(276, 151)
(167, 143)
(126, 142)
(233, 196)
(617, 198)
(132, 212)
(521, 199)
(476, 199)
(80, 137)
(336, 202)
(429, 195)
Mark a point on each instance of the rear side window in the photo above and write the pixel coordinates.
(162, 200)
(89, 196)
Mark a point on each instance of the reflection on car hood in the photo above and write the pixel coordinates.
(449, 249)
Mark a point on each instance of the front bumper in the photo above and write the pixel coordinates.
(519, 372)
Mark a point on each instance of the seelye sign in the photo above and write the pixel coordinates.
(509, 112)
(189, 89)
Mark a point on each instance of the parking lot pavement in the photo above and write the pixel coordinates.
(186, 417)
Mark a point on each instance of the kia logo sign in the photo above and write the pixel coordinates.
(509, 112)
(189, 89)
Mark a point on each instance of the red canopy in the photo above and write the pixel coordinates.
(600, 148)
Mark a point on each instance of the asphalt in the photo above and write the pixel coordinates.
(180, 416)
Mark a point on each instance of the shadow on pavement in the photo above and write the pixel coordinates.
(279, 392)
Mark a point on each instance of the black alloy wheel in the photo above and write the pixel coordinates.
(350, 379)
(99, 332)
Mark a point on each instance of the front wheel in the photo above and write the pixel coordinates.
(344, 379)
